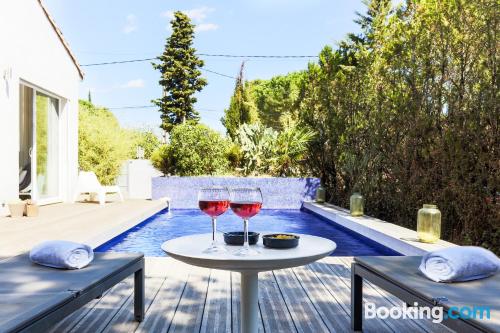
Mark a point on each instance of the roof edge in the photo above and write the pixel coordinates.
(61, 38)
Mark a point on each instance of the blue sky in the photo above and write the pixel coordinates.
(111, 30)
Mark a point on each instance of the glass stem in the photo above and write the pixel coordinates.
(246, 245)
(214, 230)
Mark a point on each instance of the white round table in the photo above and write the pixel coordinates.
(189, 249)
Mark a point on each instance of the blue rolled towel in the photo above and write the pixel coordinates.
(459, 263)
(62, 254)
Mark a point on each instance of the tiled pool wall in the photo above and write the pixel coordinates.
(278, 193)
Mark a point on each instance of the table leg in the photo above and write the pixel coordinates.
(249, 302)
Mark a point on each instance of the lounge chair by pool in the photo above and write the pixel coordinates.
(34, 297)
(89, 184)
(401, 277)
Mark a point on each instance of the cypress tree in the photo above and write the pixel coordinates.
(180, 75)
(241, 108)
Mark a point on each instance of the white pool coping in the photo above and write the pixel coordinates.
(393, 236)
(129, 223)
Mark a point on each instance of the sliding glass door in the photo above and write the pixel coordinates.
(39, 153)
(47, 146)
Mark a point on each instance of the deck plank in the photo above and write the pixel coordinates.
(217, 314)
(160, 313)
(339, 289)
(124, 320)
(275, 314)
(106, 308)
(304, 314)
(183, 298)
(334, 316)
(189, 313)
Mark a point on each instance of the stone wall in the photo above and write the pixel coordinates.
(278, 193)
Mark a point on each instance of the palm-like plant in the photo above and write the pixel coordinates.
(256, 142)
(289, 150)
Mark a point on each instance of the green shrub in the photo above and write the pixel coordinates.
(194, 149)
(161, 159)
(263, 150)
(103, 145)
(147, 140)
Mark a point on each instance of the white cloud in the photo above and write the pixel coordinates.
(206, 27)
(137, 83)
(130, 24)
(196, 14)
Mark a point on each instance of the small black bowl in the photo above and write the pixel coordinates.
(236, 237)
(280, 243)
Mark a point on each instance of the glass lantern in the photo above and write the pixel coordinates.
(320, 194)
(356, 204)
(429, 224)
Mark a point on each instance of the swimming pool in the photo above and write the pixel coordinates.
(148, 236)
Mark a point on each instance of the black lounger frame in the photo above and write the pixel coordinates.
(46, 320)
(360, 272)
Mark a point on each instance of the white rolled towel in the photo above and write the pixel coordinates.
(62, 254)
(459, 263)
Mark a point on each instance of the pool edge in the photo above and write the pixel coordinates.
(387, 234)
(131, 222)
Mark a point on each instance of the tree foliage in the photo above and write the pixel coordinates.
(147, 140)
(103, 145)
(194, 149)
(408, 114)
(180, 74)
(405, 112)
(276, 98)
(241, 107)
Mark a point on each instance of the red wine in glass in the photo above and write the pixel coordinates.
(246, 210)
(214, 201)
(213, 208)
(246, 203)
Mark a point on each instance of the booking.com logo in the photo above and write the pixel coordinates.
(437, 314)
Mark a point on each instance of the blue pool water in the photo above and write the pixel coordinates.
(148, 236)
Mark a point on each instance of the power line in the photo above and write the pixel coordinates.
(132, 107)
(256, 56)
(117, 62)
(149, 59)
(206, 55)
(154, 106)
(217, 73)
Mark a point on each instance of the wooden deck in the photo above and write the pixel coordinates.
(80, 222)
(183, 298)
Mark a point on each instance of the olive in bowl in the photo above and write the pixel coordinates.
(280, 241)
(236, 237)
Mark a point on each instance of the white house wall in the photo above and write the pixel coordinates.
(31, 51)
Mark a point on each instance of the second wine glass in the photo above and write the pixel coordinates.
(246, 203)
(214, 201)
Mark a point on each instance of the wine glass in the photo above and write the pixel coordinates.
(246, 203)
(214, 201)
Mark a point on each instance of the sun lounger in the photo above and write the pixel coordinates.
(401, 277)
(34, 297)
(89, 184)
